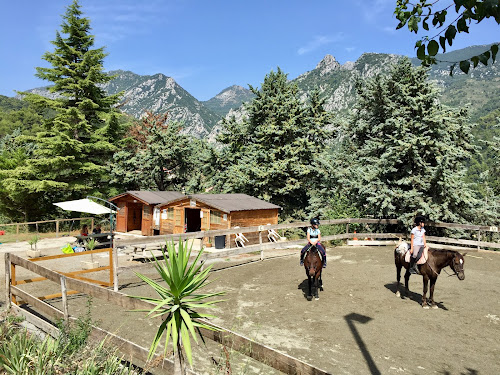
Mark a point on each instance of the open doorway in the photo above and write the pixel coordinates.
(193, 220)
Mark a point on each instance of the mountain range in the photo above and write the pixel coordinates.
(479, 90)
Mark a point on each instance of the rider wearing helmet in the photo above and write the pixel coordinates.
(417, 244)
(313, 239)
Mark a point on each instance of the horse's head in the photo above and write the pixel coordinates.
(312, 262)
(457, 265)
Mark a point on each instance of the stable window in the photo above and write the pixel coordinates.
(215, 217)
(170, 213)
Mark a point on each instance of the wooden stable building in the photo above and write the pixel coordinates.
(169, 212)
(137, 210)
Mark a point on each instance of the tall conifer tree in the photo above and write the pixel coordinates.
(403, 153)
(273, 153)
(73, 150)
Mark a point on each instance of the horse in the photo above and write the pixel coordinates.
(313, 264)
(430, 270)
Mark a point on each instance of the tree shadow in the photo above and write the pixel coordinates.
(468, 371)
(351, 319)
(416, 297)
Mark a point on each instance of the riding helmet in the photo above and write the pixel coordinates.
(419, 219)
(314, 221)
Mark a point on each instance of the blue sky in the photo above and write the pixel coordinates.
(207, 46)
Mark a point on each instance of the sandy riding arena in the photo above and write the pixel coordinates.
(358, 325)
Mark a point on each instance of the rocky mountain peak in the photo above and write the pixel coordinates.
(328, 64)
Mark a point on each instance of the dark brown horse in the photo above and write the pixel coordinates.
(438, 259)
(313, 263)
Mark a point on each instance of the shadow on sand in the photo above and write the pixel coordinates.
(416, 297)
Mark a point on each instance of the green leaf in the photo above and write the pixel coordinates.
(475, 60)
(432, 48)
(421, 52)
(450, 34)
(462, 26)
(464, 66)
(494, 51)
(484, 58)
(442, 42)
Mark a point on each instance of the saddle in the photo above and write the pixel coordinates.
(423, 258)
(319, 252)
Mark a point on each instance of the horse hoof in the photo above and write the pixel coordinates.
(316, 298)
(434, 306)
(425, 307)
(398, 294)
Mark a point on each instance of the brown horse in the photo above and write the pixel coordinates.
(438, 259)
(313, 263)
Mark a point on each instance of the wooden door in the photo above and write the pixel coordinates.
(178, 220)
(205, 219)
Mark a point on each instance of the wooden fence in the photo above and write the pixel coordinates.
(242, 344)
(57, 222)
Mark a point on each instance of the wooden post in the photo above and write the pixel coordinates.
(260, 246)
(92, 225)
(17, 229)
(115, 265)
(57, 228)
(111, 273)
(12, 278)
(64, 293)
(347, 228)
(36, 227)
(8, 296)
(478, 239)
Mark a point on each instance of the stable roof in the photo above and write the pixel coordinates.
(152, 197)
(229, 202)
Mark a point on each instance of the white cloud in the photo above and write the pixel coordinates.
(350, 49)
(319, 41)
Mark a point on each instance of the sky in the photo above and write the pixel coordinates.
(207, 46)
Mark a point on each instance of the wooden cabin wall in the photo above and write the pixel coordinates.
(250, 219)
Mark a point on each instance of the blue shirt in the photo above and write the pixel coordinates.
(313, 232)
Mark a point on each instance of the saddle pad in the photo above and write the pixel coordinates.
(422, 259)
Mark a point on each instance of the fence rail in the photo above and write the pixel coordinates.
(56, 221)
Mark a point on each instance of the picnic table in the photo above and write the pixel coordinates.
(103, 239)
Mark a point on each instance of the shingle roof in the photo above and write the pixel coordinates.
(153, 197)
(233, 202)
(224, 202)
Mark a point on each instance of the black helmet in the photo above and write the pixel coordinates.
(314, 221)
(419, 219)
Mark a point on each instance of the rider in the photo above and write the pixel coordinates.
(418, 243)
(313, 239)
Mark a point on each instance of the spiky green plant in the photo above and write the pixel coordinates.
(179, 300)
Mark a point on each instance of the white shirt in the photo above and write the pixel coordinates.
(418, 236)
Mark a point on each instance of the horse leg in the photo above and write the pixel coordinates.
(309, 282)
(316, 288)
(431, 293)
(407, 279)
(424, 299)
(398, 278)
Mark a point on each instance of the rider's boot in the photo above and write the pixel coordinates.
(324, 262)
(413, 266)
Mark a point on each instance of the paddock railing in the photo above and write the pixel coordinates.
(226, 337)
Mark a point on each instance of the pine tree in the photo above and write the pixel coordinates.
(74, 148)
(273, 153)
(403, 153)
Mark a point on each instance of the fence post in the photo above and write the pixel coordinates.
(13, 278)
(57, 228)
(115, 265)
(478, 239)
(64, 294)
(347, 228)
(260, 246)
(17, 229)
(8, 297)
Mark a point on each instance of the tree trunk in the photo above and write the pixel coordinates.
(179, 363)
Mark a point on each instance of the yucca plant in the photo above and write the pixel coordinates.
(179, 301)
